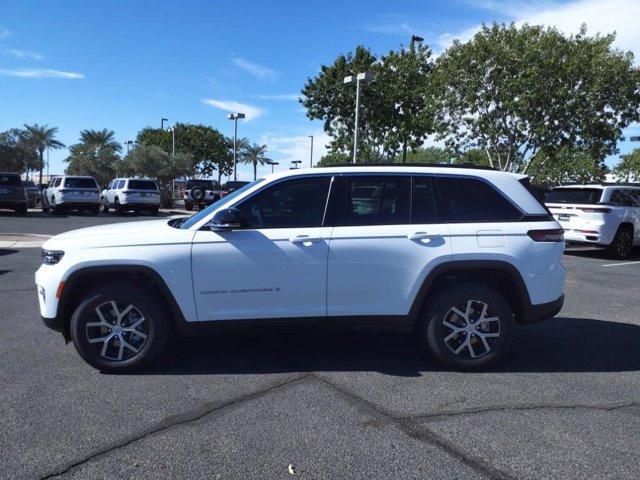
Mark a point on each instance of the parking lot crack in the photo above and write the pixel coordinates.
(517, 408)
(419, 432)
(169, 423)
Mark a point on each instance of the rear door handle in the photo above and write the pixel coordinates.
(422, 236)
(304, 239)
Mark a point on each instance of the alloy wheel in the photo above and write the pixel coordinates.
(471, 331)
(623, 248)
(120, 332)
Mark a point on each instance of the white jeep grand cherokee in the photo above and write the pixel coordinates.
(455, 255)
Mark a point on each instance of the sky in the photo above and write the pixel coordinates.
(124, 65)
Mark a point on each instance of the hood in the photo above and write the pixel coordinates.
(146, 232)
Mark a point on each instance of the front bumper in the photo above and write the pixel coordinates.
(542, 311)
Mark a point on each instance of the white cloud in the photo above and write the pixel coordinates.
(23, 54)
(41, 73)
(600, 16)
(232, 106)
(4, 32)
(283, 97)
(296, 147)
(253, 68)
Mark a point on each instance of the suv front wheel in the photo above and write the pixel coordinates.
(118, 328)
(468, 327)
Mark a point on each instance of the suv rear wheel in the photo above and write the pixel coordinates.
(468, 327)
(118, 328)
(622, 244)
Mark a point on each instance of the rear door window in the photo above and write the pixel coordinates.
(377, 200)
(423, 201)
(473, 200)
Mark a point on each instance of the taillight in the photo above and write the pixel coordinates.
(595, 209)
(554, 235)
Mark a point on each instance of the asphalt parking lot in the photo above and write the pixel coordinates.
(564, 404)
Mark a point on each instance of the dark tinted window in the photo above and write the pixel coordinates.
(423, 201)
(471, 200)
(29, 183)
(621, 197)
(10, 180)
(142, 185)
(588, 196)
(292, 203)
(377, 200)
(206, 184)
(80, 183)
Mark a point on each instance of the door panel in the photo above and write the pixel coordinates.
(271, 273)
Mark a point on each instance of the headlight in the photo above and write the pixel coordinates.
(51, 257)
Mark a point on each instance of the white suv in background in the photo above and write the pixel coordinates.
(603, 215)
(126, 194)
(457, 256)
(71, 193)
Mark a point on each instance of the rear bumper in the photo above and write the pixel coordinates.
(72, 204)
(140, 204)
(542, 311)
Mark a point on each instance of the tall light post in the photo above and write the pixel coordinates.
(173, 140)
(128, 143)
(296, 164)
(235, 117)
(367, 77)
(162, 120)
(273, 164)
(311, 154)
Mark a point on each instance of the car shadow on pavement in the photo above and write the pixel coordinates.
(601, 254)
(557, 345)
(7, 251)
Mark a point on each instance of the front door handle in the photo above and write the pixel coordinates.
(304, 239)
(420, 236)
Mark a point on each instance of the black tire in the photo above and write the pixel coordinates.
(433, 333)
(155, 326)
(154, 211)
(45, 208)
(95, 210)
(55, 209)
(21, 210)
(188, 206)
(105, 205)
(118, 208)
(622, 245)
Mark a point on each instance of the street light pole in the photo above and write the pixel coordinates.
(273, 164)
(311, 155)
(162, 120)
(296, 163)
(235, 117)
(367, 77)
(173, 140)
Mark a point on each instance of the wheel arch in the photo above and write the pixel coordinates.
(85, 279)
(499, 275)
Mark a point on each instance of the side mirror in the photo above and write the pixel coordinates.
(227, 219)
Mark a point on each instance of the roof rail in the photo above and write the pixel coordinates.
(438, 165)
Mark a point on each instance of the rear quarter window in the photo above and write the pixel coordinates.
(473, 200)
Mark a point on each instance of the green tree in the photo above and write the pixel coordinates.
(628, 166)
(154, 162)
(334, 158)
(96, 154)
(514, 92)
(388, 106)
(17, 154)
(568, 165)
(206, 145)
(42, 137)
(473, 156)
(256, 155)
(430, 155)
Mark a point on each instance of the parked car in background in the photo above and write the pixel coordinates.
(131, 194)
(232, 186)
(70, 192)
(200, 193)
(13, 195)
(456, 256)
(33, 193)
(602, 215)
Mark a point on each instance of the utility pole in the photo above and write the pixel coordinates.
(367, 77)
(311, 155)
(235, 117)
(162, 120)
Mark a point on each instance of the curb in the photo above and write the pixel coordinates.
(22, 240)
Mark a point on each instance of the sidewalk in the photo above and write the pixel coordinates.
(21, 240)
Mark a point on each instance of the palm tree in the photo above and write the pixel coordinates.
(97, 140)
(255, 154)
(42, 137)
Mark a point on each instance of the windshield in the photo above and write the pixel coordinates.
(142, 185)
(80, 183)
(10, 180)
(589, 196)
(189, 222)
